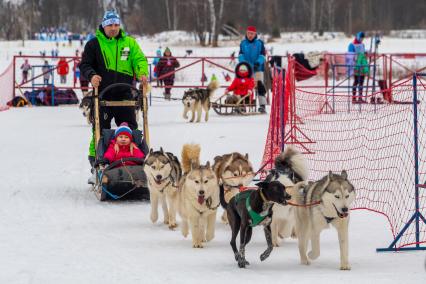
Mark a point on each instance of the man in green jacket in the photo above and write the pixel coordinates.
(113, 57)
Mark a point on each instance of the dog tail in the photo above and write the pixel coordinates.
(190, 157)
(291, 158)
(213, 86)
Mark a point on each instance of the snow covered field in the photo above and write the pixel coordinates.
(53, 230)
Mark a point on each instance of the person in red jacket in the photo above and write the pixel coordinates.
(166, 65)
(63, 69)
(242, 85)
(123, 147)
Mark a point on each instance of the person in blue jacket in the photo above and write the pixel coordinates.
(154, 63)
(357, 59)
(252, 51)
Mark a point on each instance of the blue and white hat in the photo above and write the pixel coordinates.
(110, 18)
(123, 129)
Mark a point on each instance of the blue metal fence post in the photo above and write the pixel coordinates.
(417, 215)
(416, 157)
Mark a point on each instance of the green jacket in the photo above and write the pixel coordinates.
(116, 60)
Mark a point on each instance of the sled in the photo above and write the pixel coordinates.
(118, 180)
(241, 107)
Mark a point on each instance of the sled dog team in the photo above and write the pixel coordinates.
(285, 203)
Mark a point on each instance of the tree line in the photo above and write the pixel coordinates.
(208, 18)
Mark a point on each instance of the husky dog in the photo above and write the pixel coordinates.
(195, 100)
(233, 171)
(251, 208)
(86, 106)
(163, 172)
(198, 197)
(290, 168)
(335, 194)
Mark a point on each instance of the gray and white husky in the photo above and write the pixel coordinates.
(163, 172)
(335, 195)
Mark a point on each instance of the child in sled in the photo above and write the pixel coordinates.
(122, 146)
(242, 85)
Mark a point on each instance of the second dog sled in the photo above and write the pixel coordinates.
(241, 106)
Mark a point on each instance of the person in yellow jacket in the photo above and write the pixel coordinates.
(113, 57)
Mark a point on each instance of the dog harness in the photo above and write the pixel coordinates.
(255, 218)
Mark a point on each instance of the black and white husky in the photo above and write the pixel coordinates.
(290, 169)
(195, 100)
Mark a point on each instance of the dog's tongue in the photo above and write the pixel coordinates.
(345, 215)
(201, 199)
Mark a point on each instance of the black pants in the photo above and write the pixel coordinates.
(358, 82)
(168, 82)
(120, 115)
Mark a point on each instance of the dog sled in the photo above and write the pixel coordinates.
(240, 106)
(119, 180)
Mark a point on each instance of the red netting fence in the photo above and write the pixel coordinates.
(382, 146)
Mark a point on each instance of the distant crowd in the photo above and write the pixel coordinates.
(60, 34)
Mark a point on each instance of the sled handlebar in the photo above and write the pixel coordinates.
(136, 93)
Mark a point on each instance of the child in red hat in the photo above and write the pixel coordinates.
(242, 85)
(123, 147)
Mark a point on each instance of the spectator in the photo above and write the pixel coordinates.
(252, 51)
(357, 59)
(63, 70)
(46, 72)
(167, 64)
(25, 67)
(154, 63)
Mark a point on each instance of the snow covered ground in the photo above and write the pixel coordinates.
(53, 230)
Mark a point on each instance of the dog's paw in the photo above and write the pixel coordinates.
(242, 263)
(154, 217)
(265, 255)
(275, 244)
(197, 245)
(313, 255)
(293, 234)
(305, 262)
(345, 267)
(172, 226)
(166, 221)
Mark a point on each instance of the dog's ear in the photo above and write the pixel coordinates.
(344, 174)
(330, 175)
(151, 151)
(246, 156)
(208, 165)
(161, 150)
(262, 184)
